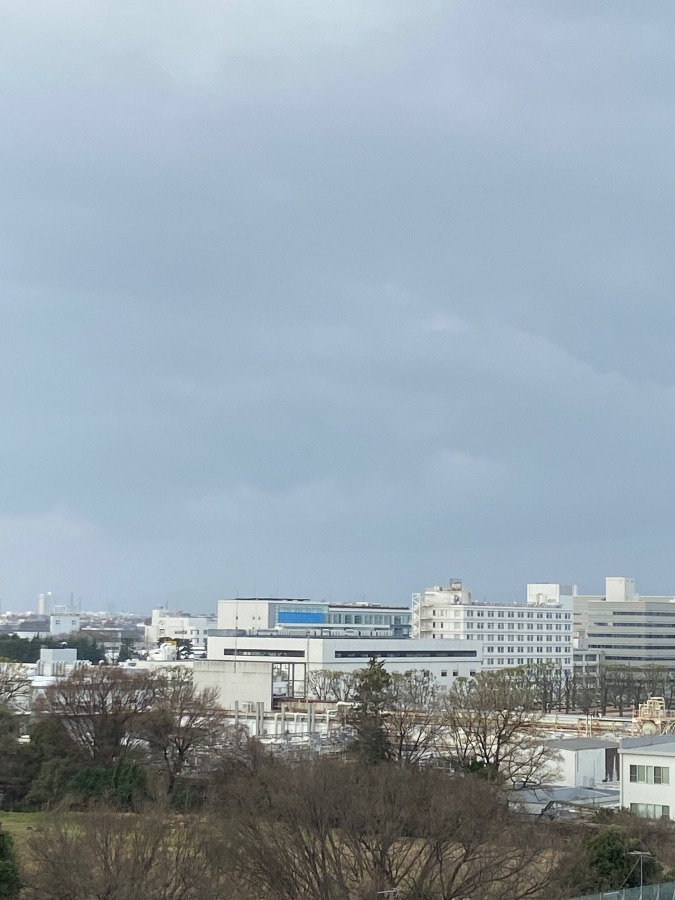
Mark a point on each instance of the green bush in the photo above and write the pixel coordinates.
(10, 875)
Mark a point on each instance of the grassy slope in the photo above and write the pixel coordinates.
(19, 825)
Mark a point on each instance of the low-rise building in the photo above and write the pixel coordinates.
(257, 668)
(648, 776)
(63, 622)
(586, 761)
(167, 626)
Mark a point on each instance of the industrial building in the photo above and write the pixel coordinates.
(259, 668)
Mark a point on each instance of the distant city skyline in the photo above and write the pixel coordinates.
(598, 587)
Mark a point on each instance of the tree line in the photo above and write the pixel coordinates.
(325, 828)
(155, 795)
(27, 650)
(547, 687)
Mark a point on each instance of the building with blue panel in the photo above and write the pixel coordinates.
(293, 616)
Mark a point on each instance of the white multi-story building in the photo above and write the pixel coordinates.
(511, 634)
(294, 616)
(250, 668)
(166, 626)
(648, 776)
(631, 629)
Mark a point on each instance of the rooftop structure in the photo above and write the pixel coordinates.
(293, 616)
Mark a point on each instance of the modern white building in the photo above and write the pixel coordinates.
(511, 634)
(250, 668)
(166, 626)
(63, 622)
(296, 616)
(629, 628)
(648, 776)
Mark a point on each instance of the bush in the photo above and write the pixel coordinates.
(10, 876)
(123, 785)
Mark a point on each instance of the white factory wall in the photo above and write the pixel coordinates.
(244, 681)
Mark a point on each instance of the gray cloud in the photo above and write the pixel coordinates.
(333, 298)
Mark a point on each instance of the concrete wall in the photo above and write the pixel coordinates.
(64, 623)
(243, 681)
(582, 768)
(248, 615)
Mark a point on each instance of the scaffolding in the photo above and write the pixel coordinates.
(416, 614)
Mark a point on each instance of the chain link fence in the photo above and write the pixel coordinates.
(663, 891)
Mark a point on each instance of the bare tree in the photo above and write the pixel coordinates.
(336, 832)
(331, 686)
(185, 723)
(122, 857)
(489, 728)
(15, 683)
(412, 722)
(100, 707)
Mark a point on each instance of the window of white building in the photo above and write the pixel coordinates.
(650, 810)
(650, 774)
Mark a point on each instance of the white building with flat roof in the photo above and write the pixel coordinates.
(63, 622)
(586, 761)
(166, 626)
(628, 628)
(251, 668)
(300, 616)
(648, 776)
(511, 634)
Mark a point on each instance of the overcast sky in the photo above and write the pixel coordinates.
(334, 298)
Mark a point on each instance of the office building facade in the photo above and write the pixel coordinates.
(510, 634)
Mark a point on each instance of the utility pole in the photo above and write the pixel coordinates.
(641, 854)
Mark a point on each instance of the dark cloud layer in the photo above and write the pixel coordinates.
(334, 298)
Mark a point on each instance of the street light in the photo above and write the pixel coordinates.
(641, 854)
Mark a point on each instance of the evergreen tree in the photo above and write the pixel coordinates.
(10, 877)
(610, 864)
(368, 713)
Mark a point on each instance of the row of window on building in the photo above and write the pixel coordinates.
(456, 612)
(516, 660)
(456, 626)
(650, 774)
(650, 810)
(366, 619)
